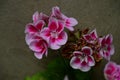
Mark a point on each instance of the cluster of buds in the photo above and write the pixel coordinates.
(48, 31)
(87, 48)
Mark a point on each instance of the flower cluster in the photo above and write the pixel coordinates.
(89, 49)
(48, 31)
(83, 48)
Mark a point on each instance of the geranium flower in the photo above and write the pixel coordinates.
(69, 22)
(37, 44)
(112, 71)
(54, 34)
(83, 59)
(107, 49)
(91, 37)
(33, 28)
(36, 17)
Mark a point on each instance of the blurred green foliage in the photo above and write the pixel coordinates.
(57, 69)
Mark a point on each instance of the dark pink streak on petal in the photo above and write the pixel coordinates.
(87, 37)
(61, 26)
(53, 24)
(109, 39)
(31, 29)
(77, 60)
(40, 25)
(93, 35)
(86, 51)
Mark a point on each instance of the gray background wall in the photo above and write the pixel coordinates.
(17, 61)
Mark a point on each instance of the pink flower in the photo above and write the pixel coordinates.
(33, 28)
(54, 34)
(112, 71)
(69, 22)
(38, 45)
(83, 59)
(91, 37)
(36, 17)
(107, 49)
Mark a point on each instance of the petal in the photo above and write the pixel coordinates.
(106, 55)
(84, 67)
(45, 34)
(103, 42)
(53, 24)
(75, 62)
(87, 37)
(111, 49)
(87, 50)
(109, 39)
(70, 22)
(53, 44)
(56, 12)
(62, 38)
(28, 38)
(39, 24)
(61, 26)
(30, 29)
(77, 53)
(36, 46)
(91, 61)
(32, 37)
(93, 34)
(44, 17)
(38, 55)
(35, 16)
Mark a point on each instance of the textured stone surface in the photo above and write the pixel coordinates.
(17, 61)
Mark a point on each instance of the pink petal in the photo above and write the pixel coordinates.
(62, 38)
(56, 12)
(45, 34)
(53, 24)
(70, 22)
(100, 41)
(109, 39)
(103, 42)
(35, 16)
(44, 17)
(91, 61)
(61, 26)
(30, 29)
(53, 44)
(38, 55)
(39, 24)
(111, 49)
(93, 34)
(75, 62)
(28, 38)
(77, 53)
(106, 55)
(36, 46)
(84, 67)
(87, 37)
(87, 50)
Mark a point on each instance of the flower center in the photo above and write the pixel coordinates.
(54, 34)
(83, 55)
